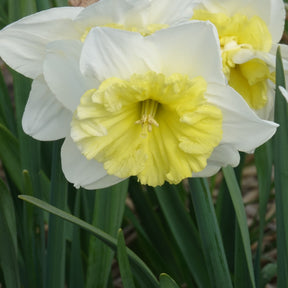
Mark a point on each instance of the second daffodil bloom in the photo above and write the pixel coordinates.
(24, 46)
(160, 109)
(248, 32)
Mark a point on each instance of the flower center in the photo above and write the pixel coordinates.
(178, 128)
(241, 39)
(148, 112)
(144, 31)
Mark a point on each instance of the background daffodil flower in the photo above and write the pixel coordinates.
(25, 44)
(248, 32)
(159, 109)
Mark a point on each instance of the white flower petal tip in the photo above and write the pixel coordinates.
(43, 113)
(22, 43)
(81, 172)
(284, 92)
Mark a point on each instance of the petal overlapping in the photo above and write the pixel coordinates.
(22, 44)
(222, 156)
(128, 12)
(109, 52)
(239, 121)
(75, 56)
(171, 12)
(197, 56)
(62, 73)
(271, 11)
(78, 170)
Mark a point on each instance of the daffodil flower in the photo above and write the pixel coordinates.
(160, 110)
(248, 32)
(25, 44)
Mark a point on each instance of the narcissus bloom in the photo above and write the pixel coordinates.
(248, 32)
(159, 109)
(25, 44)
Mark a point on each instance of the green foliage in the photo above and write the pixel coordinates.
(281, 175)
(177, 235)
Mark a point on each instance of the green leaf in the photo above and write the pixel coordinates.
(9, 155)
(236, 197)
(263, 162)
(281, 175)
(60, 3)
(226, 218)
(32, 277)
(108, 214)
(137, 265)
(167, 282)
(43, 4)
(76, 268)
(55, 274)
(241, 272)
(184, 231)
(124, 266)
(18, 9)
(6, 110)
(159, 239)
(210, 234)
(146, 247)
(8, 238)
(268, 273)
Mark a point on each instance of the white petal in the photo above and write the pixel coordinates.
(52, 14)
(222, 156)
(44, 117)
(191, 49)
(284, 54)
(22, 44)
(271, 11)
(111, 52)
(171, 12)
(247, 7)
(22, 53)
(277, 19)
(284, 92)
(103, 12)
(62, 73)
(208, 171)
(244, 55)
(242, 128)
(267, 112)
(283, 50)
(89, 174)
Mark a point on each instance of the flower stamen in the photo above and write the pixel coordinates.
(148, 112)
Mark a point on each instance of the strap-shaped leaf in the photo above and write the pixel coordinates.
(236, 197)
(281, 175)
(137, 265)
(212, 244)
(124, 266)
(8, 238)
(10, 157)
(167, 282)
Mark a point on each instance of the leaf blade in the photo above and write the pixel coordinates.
(124, 266)
(137, 264)
(281, 175)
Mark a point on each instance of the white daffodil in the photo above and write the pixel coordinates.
(248, 32)
(24, 45)
(160, 108)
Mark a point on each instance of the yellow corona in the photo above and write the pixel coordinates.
(238, 34)
(156, 127)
